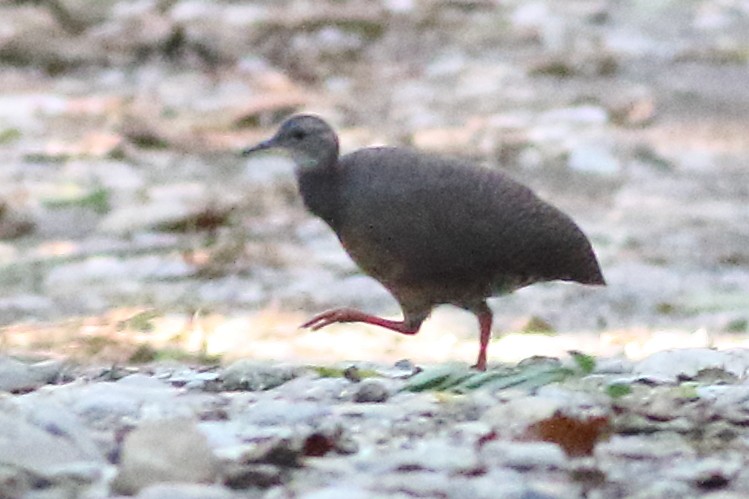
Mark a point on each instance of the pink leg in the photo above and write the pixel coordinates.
(484, 315)
(351, 315)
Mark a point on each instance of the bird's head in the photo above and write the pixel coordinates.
(310, 141)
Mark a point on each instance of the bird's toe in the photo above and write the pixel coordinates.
(479, 366)
(314, 323)
(324, 319)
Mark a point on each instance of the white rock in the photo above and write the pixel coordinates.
(668, 447)
(726, 466)
(223, 437)
(517, 414)
(341, 492)
(24, 111)
(632, 42)
(116, 175)
(17, 376)
(432, 455)
(43, 453)
(243, 15)
(497, 483)
(60, 421)
(95, 269)
(663, 489)
(524, 455)
(8, 253)
(689, 361)
(103, 404)
(399, 6)
(190, 10)
(531, 15)
(594, 158)
(185, 491)
(311, 388)
(413, 484)
(580, 115)
(165, 451)
(284, 412)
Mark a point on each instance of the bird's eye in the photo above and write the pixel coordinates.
(297, 134)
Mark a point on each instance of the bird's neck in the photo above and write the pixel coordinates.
(320, 193)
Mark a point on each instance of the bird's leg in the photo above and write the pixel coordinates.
(352, 315)
(484, 314)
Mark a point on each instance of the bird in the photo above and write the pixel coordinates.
(432, 229)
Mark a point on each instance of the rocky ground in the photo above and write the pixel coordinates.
(672, 424)
(131, 232)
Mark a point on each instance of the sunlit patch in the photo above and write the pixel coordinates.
(57, 248)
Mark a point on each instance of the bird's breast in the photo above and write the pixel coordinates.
(320, 192)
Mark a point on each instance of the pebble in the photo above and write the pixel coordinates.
(594, 158)
(716, 469)
(666, 447)
(256, 475)
(433, 456)
(185, 491)
(371, 390)
(524, 455)
(256, 376)
(15, 221)
(414, 483)
(269, 412)
(343, 492)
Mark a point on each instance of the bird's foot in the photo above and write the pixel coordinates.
(484, 315)
(479, 366)
(332, 316)
(351, 315)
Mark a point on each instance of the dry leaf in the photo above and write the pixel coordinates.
(578, 437)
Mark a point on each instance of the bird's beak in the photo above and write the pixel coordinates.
(268, 144)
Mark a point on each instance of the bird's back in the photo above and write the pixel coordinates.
(410, 218)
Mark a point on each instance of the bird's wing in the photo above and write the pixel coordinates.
(426, 217)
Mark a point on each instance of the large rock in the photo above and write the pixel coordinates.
(16, 376)
(43, 451)
(165, 451)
